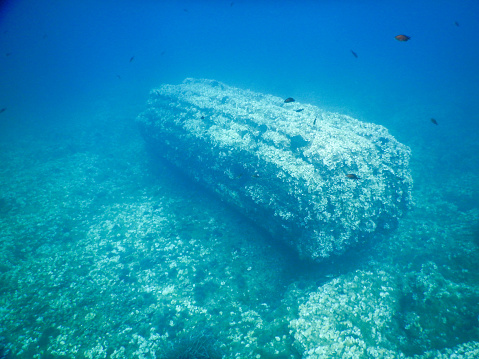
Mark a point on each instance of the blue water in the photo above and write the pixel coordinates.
(73, 76)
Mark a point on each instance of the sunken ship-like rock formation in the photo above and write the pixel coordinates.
(319, 181)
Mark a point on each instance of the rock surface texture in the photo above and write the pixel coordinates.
(284, 165)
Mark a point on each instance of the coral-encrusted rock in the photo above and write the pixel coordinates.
(284, 165)
(352, 316)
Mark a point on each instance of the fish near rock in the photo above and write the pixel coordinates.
(289, 99)
(402, 38)
(352, 176)
(434, 121)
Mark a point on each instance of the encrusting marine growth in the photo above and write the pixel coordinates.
(288, 170)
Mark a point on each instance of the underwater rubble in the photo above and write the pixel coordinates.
(319, 181)
(101, 257)
(372, 314)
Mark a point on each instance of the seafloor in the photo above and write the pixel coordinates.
(106, 253)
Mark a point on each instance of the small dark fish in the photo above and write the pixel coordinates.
(119, 77)
(299, 110)
(354, 54)
(185, 10)
(3, 110)
(402, 37)
(202, 117)
(255, 175)
(314, 122)
(132, 58)
(232, 3)
(289, 99)
(352, 176)
(456, 23)
(162, 53)
(434, 121)
(8, 54)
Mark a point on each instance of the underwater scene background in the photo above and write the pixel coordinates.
(109, 252)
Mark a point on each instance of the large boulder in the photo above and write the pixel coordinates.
(317, 180)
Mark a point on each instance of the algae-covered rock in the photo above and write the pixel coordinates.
(350, 317)
(285, 170)
(376, 314)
